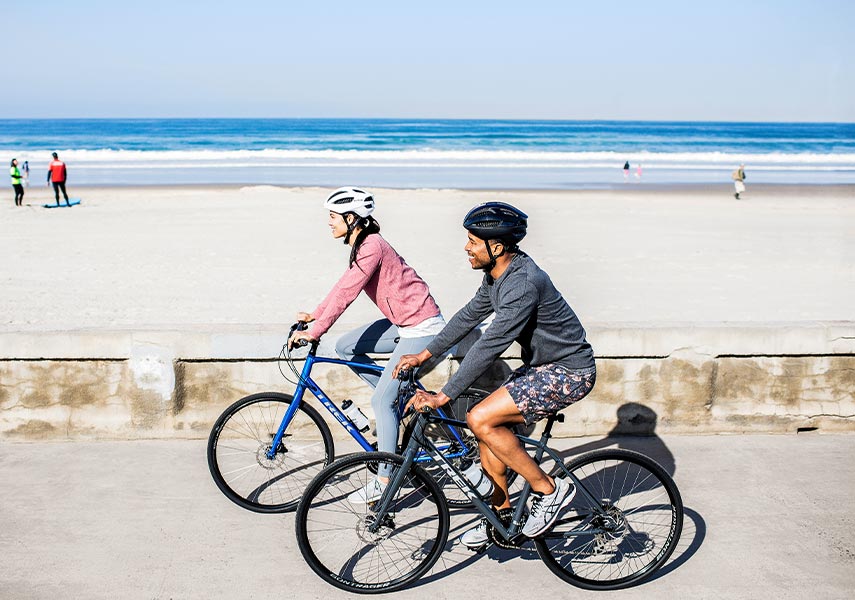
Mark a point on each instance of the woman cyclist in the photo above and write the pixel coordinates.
(412, 317)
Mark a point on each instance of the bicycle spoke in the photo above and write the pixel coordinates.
(246, 466)
(336, 532)
(627, 535)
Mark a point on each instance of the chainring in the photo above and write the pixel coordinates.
(505, 515)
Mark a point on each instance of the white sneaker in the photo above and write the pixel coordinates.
(545, 509)
(371, 492)
(476, 536)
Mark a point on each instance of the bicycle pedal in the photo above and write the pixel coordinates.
(480, 549)
(512, 544)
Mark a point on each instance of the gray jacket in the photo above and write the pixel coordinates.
(529, 310)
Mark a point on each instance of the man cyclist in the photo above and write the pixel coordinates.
(558, 367)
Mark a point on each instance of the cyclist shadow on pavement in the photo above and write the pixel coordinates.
(635, 430)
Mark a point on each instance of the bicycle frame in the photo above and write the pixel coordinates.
(307, 383)
(418, 441)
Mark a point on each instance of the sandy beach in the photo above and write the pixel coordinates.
(181, 256)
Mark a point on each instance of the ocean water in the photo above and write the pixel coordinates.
(487, 154)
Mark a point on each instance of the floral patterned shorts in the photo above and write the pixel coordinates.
(541, 391)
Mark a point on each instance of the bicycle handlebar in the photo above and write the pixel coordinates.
(425, 410)
(299, 326)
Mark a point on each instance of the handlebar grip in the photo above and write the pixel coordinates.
(412, 410)
(298, 326)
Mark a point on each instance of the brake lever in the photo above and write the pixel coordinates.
(298, 326)
(425, 410)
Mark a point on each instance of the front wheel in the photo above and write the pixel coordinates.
(349, 545)
(620, 531)
(242, 461)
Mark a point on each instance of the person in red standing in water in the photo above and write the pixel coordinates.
(57, 174)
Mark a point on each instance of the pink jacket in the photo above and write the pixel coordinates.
(394, 286)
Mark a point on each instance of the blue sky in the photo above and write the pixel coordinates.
(778, 61)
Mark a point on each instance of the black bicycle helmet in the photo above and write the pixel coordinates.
(497, 221)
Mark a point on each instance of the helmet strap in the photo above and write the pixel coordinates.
(492, 257)
(351, 225)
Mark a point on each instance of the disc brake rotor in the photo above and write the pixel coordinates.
(278, 460)
(387, 526)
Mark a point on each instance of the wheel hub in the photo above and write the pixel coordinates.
(615, 523)
(278, 460)
(613, 527)
(383, 532)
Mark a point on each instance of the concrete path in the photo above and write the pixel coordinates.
(766, 517)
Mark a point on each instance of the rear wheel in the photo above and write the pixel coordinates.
(338, 537)
(242, 465)
(627, 532)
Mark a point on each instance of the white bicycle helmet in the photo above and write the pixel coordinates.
(348, 199)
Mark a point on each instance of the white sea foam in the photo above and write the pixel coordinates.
(108, 158)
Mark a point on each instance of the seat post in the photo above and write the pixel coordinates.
(550, 421)
(547, 433)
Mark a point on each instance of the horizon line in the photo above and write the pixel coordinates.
(482, 119)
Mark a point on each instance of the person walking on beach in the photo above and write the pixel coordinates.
(412, 316)
(57, 175)
(26, 170)
(638, 171)
(558, 362)
(626, 171)
(739, 181)
(16, 182)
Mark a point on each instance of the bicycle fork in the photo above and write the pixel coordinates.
(418, 441)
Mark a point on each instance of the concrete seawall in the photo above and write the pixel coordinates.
(678, 378)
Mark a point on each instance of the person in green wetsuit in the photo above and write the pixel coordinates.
(16, 182)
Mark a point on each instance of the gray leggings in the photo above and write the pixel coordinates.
(381, 337)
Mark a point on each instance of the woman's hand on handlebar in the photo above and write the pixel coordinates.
(410, 361)
(299, 338)
(305, 317)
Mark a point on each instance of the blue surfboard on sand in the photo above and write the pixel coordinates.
(71, 202)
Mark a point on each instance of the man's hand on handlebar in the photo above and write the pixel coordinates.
(305, 317)
(410, 361)
(424, 401)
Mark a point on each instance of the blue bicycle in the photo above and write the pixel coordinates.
(265, 448)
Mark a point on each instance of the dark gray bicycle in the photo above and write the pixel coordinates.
(623, 523)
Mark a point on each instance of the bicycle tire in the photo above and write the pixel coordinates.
(332, 530)
(645, 519)
(237, 449)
